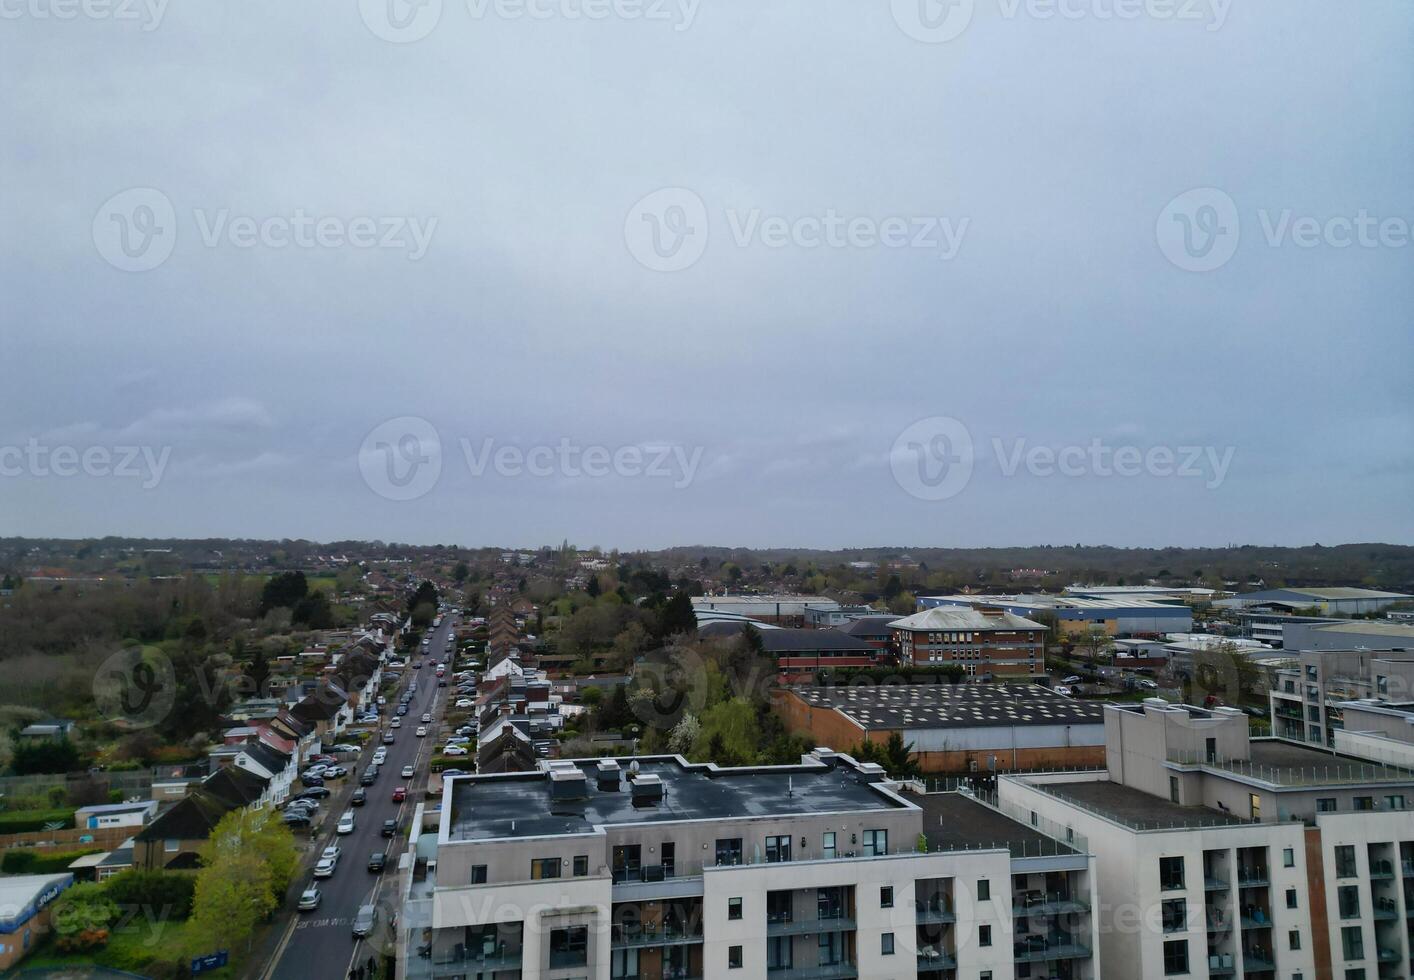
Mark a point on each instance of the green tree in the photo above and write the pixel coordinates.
(283, 591)
(461, 572)
(677, 616)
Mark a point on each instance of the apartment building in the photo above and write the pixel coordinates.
(1307, 697)
(657, 868)
(987, 642)
(1220, 855)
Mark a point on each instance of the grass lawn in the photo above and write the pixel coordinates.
(137, 947)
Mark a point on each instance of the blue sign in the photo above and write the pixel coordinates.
(211, 961)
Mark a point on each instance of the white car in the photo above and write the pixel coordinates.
(379, 755)
(1064, 691)
(325, 868)
(421, 731)
(331, 853)
(346, 823)
(427, 717)
(396, 723)
(464, 703)
(409, 772)
(1072, 679)
(454, 750)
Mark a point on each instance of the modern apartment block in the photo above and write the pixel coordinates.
(657, 868)
(985, 642)
(1307, 697)
(1220, 855)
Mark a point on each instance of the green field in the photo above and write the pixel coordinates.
(328, 583)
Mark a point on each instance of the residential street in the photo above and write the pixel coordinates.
(320, 944)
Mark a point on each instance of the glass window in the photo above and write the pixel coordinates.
(1291, 898)
(984, 935)
(1364, 803)
(778, 907)
(1293, 939)
(1348, 900)
(779, 951)
(1171, 873)
(1352, 941)
(1326, 804)
(827, 845)
(1288, 857)
(729, 850)
(581, 865)
(569, 947)
(733, 908)
(886, 944)
(1345, 861)
(1175, 915)
(734, 957)
(478, 874)
(1175, 957)
(984, 890)
(1394, 802)
(876, 843)
(544, 868)
(886, 897)
(777, 849)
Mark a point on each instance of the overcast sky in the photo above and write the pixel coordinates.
(792, 272)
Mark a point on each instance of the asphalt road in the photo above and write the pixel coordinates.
(320, 944)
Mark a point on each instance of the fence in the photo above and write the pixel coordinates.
(129, 782)
(73, 838)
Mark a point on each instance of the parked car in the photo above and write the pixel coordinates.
(333, 852)
(364, 920)
(309, 899)
(396, 723)
(453, 750)
(311, 781)
(298, 819)
(466, 730)
(402, 710)
(346, 823)
(335, 772)
(346, 747)
(441, 683)
(464, 703)
(390, 828)
(324, 758)
(400, 794)
(377, 861)
(314, 793)
(1072, 679)
(1064, 691)
(408, 772)
(380, 754)
(359, 798)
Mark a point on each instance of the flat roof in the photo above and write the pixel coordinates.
(952, 821)
(1135, 808)
(1369, 627)
(1040, 600)
(943, 705)
(520, 804)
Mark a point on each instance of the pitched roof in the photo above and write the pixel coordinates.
(323, 704)
(235, 787)
(963, 618)
(190, 818)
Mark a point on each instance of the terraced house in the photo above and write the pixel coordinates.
(657, 868)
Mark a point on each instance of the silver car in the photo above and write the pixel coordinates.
(364, 920)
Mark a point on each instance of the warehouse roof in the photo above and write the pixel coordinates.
(899, 707)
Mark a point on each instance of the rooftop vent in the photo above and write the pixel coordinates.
(608, 774)
(568, 785)
(872, 772)
(647, 790)
(826, 755)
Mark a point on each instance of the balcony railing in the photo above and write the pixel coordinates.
(809, 927)
(835, 971)
(930, 958)
(1257, 961)
(1049, 903)
(1214, 884)
(648, 936)
(1035, 951)
(460, 961)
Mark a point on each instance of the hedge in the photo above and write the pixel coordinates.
(29, 821)
(31, 862)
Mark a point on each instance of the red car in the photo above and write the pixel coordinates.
(400, 794)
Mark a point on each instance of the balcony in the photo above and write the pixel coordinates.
(1214, 884)
(834, 971)
(1253, 878)
(1387, 955)
(1051, 905)
(1381, 869)
(930, 958)
(460, 963)
(1040, 950)
(1221, 965)
(808, 927)
(1408, 868)
(653, 937)
(935, 912)
(1257, 961)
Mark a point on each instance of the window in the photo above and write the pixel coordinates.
(779, 953)
(1254, 806)
(1173, 789)
(1288, 857)
(733, 908)
(886, 896)
(1394, 802)
(1352, 942)
(1293, 939)
(1326, 804)
(984, 935)
(544, 868)
(830, 949)
(1364, 803)
(778, 907)
(886, 944)
(1348, 900)
(1354, 975)
(569, 947)
(733, 957)
(1175, 957)
(478, 874)
(1171, 873)
(876, 843)
(1345, 861)
(985, 975)
(1291, 898)
(581, 865)
(984, 890)
(1210, 749)
(1175, 915)
(171, 844)
(729, 850)
(777, 849)
(827, 845)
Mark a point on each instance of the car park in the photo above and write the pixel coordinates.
(346, 823)
(377, 862)
(309, 899)
(390, 828)
(359, 798)
(400, 794)
(364, 920)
